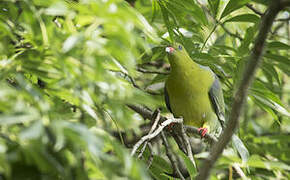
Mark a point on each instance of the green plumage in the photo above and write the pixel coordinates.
(193, 92)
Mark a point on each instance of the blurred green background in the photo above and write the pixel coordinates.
(68, 69)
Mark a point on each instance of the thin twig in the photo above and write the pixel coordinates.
(156, 118)
(148, 137)
(147, 113)
(171, 157)
(133, 82)
(157, 64)
(150, 71)
(178, 141)
(241, 93)
(187, 145)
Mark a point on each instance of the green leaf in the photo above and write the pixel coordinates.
(159, 78)
(167, 22)
(189, 165)
(274, 105)
(270, 72)
(58, 9)
(159, 167)
(198, 13)
(248, 39)
(214, 6)
(180, 9)
(264, 2)
(282, 62)
(32, 132)
(233, 5)
(69, 43)
(17, 119)
(155, 9)
(277, 45)
(90, 111)
(268, 98)
(241, 148)
(244, 18)
(256, 161)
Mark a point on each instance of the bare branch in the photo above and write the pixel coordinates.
(187, 144)
(147, 113)
(179, 141)
(157, 64)
(133, 82)
(171, 157)
(156, 116)
(241, 93)
(152, 135)
(150, 71)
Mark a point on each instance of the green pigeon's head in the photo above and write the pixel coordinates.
(177, 54)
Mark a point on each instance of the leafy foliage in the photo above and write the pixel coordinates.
(68, 69)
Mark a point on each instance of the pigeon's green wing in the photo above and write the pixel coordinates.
(217, 100)
(166, 97)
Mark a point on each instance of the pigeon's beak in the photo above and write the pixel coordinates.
(169, 50)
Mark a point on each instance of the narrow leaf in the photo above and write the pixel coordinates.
(214, 6)
(244, 18)
(278, 45)
(189, 165)
(233, 5)
(241, 148)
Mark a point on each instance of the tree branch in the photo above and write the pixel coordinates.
(241, 93)
(150, 71)
(147, 113)
(152, 135)
(187, 144)
(171, 157)
(156, 117)
(133, 82)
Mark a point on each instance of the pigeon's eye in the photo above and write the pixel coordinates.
(180, 47)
